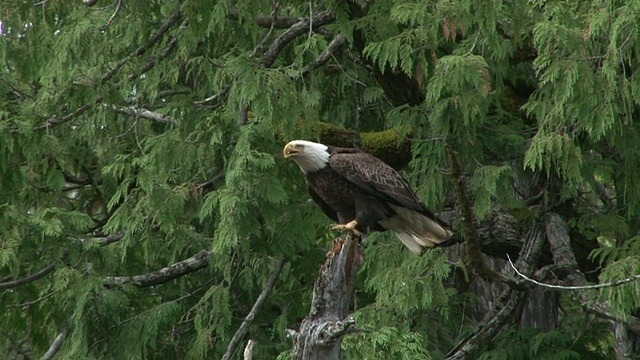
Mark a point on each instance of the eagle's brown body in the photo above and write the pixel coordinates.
(358, 189)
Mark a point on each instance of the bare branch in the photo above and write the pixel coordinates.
(143, 113)
(244, 327)
(33, 277)
(55, 346)
(173, 271)
(293, 32)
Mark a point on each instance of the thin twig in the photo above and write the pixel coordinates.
(563, 287)
(115, 13)
(242, 330)
(474, 44)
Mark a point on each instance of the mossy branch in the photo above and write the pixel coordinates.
(467, 224)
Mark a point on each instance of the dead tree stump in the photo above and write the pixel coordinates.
(321, 332)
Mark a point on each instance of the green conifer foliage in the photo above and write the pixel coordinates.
(145, 203)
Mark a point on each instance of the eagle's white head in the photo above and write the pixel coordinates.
(308, 155)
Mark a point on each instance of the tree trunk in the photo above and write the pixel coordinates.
(321, 332)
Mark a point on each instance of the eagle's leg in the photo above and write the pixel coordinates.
(350, 226)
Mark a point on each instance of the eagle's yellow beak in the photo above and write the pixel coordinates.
(290, 150)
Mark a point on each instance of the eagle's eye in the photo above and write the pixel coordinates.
(299, 146)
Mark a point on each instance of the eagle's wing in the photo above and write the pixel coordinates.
(376, 178)
(323, 205)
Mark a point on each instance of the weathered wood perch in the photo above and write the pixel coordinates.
(321, 332)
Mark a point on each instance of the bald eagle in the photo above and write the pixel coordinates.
(363, 194)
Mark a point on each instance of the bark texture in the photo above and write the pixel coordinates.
(321, 332)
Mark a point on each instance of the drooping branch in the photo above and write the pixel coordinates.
(33, 277)
(244, 327)
(173, 271)
(321, 332)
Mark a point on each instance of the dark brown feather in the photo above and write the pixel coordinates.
(378, 179)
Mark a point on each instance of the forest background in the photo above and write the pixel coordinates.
(145, 205)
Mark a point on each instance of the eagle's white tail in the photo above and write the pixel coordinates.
(415, 230)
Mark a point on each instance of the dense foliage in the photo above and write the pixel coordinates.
(144, 202)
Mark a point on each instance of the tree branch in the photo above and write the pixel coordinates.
(504, 308)
(244, 327)
(467, 223)
(279, 22)
(293, 32)
(55, 346)
(33, 277)
(143, 113)
(503, 312)
(580, 287)
(558, 236)
(81, 110)
(172, 20)
(222, 93)
(113, 16)
(248, 350)
(336, 44)
(155, 60)
(104, 240)
(174, 271)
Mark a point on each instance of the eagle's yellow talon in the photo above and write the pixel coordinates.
(350, 226)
